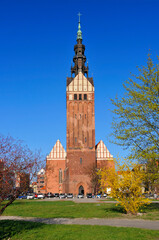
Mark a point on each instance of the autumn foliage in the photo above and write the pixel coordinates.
(126, 184)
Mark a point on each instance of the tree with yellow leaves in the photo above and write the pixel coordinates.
(126, 183)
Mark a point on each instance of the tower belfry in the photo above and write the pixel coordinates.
(69, 171)
(80, 119)
(79, 59)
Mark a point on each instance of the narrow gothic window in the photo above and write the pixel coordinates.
(85, 116)
(80, 116)
(80, 160)
(75, 96)
(85, 96)
(75, 139)
(75, 116)
(60, 175)
(80, 96)
(85, 139)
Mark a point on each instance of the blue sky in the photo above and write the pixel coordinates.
(36, 50)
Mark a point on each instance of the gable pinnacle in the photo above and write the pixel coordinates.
(79, 32)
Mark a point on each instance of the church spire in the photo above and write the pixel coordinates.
(79, 32)
(79, 59)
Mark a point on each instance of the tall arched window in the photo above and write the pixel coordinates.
(60, 175)
(85, 96)
(80, 96)
(75, 96)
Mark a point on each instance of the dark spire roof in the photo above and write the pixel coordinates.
(79, 59)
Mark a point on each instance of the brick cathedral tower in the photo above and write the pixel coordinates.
(80, 122)
(70, 171)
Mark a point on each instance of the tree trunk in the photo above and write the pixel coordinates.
(6, 205)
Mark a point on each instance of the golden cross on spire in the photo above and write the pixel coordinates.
(79, 14)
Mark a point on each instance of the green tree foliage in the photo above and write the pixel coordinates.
(136, 120)
(151, 180)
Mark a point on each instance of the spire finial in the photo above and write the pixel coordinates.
(79, 32)
(79, 14)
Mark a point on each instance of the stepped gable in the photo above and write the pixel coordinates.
(58, 152)
(102, 152)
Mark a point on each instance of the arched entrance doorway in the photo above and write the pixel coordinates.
(81, 190)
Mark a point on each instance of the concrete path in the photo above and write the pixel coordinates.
(82, 200)
(116, 222)
(78, 200)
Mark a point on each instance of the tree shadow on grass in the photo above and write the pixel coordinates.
(151, 207)
(9, 228)
(147, 208)
(115, 209)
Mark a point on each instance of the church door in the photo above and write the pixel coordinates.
(81, 190)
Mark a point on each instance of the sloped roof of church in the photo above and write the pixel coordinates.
(102, 152)
(58, 152)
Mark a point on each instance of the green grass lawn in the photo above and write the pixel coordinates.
(21, 230)
(70, 209)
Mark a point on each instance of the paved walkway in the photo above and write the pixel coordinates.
(83, 200)
(76, 200)
(116, 222)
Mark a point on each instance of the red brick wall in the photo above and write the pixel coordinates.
(80, 122)
(105, 163)
(80, 141)
(52, 175)
(79, 172)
